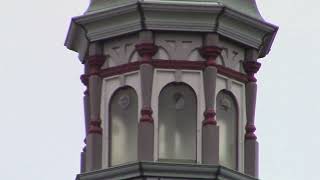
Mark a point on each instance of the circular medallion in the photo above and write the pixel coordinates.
(124, 101)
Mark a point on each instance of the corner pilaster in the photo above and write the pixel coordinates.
(146, 50)
(210, 131)
(94, 61)
(251, 66)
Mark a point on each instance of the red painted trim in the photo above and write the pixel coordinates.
(232, 73)
(94, 127)
(146, 50)
(210, 53)
(172, 64)
(250, 129)
(94, 63)
(178, 64)
(209, 116)
(146, 115)
(134, 66)
(251, 68)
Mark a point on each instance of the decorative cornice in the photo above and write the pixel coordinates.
(126, 18)
(165, 170)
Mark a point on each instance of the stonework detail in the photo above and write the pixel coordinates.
(180, 46)
(120, 51)
(231, 56)
(172, 46)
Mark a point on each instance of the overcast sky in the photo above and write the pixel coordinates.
(41, 116)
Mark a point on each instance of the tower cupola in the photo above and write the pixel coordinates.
(171, 88)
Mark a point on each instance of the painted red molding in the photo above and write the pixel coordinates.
(250, 129)
(209, 116)
(146, 115)
(178, 64)
(210, 53)
(232, 73)
(94, 63)
(134, 66)
(172, 64)
(251, 68)
(146, 50)
(94, 127)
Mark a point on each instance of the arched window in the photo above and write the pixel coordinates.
(227, 117)
(123, 126)
(177, 123)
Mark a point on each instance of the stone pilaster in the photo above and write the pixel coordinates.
(210, 131)
(85, 80)
(251, 66)
(146, 50)
(94, 61)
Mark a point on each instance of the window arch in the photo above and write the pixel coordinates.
(123, 125)
(177, 123)
(227, 118)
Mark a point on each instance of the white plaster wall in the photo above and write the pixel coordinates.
(109, 86)
(238, 90)
(162, 77)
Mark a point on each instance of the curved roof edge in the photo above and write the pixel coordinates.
(135, 17)
(247, 7)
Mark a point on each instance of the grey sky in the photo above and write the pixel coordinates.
(41, 95)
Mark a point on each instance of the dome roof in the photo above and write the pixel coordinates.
(247, 7)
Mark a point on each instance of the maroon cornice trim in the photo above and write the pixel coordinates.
(232, 73)
(178, 64)
(172, 64)
(134, 66)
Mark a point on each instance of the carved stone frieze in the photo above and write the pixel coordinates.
(120, 51)
(231, 56)
(178, 46)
